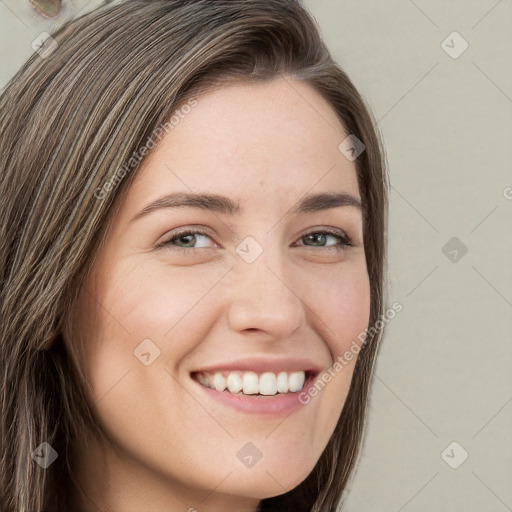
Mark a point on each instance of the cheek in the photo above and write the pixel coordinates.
(351, 315)
(132, 401)
(146, 301)
(341, 304)
(164, 303)
(162, 294)
(341, 299)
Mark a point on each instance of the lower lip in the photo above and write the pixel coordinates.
(274, 405)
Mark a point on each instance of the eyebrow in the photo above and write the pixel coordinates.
(223, 204)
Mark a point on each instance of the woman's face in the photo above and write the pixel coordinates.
(254, 289)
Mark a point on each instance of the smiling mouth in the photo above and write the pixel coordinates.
(264, 384)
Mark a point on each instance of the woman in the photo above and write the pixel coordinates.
(193, 239)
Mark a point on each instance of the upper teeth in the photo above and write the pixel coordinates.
(249, 383)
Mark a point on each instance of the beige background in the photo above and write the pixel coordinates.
(444, 373)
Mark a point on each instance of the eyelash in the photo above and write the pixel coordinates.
(345, 240)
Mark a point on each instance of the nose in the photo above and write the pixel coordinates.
(263, 297)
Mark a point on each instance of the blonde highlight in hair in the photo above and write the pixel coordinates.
(68, 122)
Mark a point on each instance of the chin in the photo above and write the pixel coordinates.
(270, 482)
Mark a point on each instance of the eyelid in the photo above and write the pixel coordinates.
(345, 239)
(336, 232)
(167, 239)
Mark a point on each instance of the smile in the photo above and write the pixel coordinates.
(252, 383)
(248, 388)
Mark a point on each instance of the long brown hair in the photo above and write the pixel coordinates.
(72, 116)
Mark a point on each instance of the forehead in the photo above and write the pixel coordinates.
(279, 137)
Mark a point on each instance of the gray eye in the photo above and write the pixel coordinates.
(317, 238)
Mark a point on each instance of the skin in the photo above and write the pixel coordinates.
(169, 446)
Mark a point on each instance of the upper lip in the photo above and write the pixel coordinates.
(264, 364)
